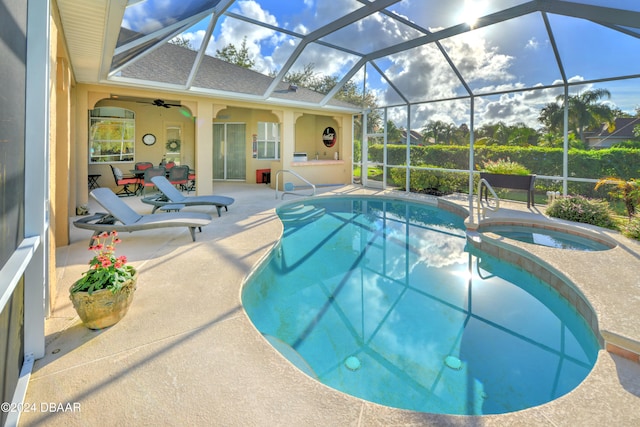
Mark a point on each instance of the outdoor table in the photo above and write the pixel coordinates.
(93, 180)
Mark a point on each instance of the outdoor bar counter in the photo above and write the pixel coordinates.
(321, 172)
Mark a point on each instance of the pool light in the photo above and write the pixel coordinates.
(352, 363)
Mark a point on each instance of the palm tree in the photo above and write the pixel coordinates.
(628, 191)
(552, 117)
(394, 134)
(586, 112)
(435, 129)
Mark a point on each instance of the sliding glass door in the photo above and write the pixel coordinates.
(229, 151)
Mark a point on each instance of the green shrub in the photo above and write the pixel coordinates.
(632, 228)
(581, 209)
(505, 167)
(430, 181)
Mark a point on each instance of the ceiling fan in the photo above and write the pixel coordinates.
(157, 102)
(162, 103)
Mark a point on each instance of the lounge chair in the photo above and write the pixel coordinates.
(171, 196)
(122, 218)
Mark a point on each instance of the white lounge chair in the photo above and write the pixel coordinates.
(171, 196)
(121, 217)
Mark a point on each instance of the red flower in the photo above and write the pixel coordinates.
(106, 271)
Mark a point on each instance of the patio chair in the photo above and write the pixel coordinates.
(179, 176)
(140, 166)
(149, 173)
(125, 182)
(191, 186)
(121, 217)
(171, 196)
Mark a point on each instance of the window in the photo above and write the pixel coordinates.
(268, 140)
(111, 135)
(174, 143)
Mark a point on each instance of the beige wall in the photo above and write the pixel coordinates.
(309, 128)
(301, 129)
(62, 194)
(149, 119)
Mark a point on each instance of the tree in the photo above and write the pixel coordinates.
(394, 134)
(552, 117)
(522, 135)
(305, 78)
(462, 134)
(181, 41)
(321, 83)
(628, 191)
(584, 112)
(239, 57)
(436, 129)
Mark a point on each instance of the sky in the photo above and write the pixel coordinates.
(511, 55)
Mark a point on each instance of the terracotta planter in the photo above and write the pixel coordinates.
(103, 308)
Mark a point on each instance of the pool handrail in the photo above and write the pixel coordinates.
(481, 206)
(313, 187)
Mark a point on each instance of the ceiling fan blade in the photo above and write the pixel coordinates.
(158, 102)
(162, 103)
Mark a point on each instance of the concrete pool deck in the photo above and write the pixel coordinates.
(187, 354)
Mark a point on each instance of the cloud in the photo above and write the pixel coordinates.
(233, 31)
(533, 44)
(424, 73)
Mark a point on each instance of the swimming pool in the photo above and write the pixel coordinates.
(549, 237)
(384, 300)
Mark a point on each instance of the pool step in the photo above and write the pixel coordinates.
(300, 213)
(291, 354)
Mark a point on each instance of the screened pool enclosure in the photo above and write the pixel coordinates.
(437, 88)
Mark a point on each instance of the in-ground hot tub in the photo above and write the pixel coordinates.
(551, 236)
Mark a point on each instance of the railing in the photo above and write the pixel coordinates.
(289, 187)
(482, 207)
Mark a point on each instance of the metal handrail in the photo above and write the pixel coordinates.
(313, 193)
(481, 207)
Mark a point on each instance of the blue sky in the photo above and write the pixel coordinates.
(509, 55)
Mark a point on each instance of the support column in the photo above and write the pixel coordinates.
(204, 148)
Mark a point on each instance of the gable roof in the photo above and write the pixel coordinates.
(171, 64)
(623, 129)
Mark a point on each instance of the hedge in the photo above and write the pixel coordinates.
(594, 164)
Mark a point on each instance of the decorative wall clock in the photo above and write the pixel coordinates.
(149, 139)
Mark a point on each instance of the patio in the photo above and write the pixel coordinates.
(186, 353)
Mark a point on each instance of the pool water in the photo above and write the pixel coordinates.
(546, 237)
(382, 299)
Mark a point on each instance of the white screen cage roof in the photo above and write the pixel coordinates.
(511, 53)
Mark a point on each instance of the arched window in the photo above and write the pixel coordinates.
(112, 133)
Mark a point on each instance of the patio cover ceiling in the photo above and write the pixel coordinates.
(405, 52)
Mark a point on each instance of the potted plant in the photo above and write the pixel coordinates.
(104, 293)
(503, 173)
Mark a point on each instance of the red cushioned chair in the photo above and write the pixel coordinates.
(191, 178)
(125, 182)
(140, 166)
(150, 173)
(179, 176)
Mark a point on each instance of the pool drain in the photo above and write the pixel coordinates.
(453, 362)
(353, 363)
